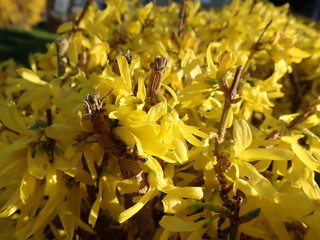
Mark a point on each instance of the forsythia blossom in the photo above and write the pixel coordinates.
(164, 122)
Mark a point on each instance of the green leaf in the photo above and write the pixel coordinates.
(195, 205)
(252, 214)
(218, 209)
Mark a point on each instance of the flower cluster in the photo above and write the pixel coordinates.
(20, 13)
(164, 122)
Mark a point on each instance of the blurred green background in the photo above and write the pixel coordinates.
(17, 43)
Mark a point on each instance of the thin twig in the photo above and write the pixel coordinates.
(61, 49)
(256, 46)
(297, 96)
(83, 12)
(229, 100)
(235, 219)
(276, 134)
(182, 17)
(222, 162)
(252, 6)
(50, 141)
(303, 116)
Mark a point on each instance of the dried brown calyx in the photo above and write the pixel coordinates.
(159, 66)
(110, 144)
(94, 105)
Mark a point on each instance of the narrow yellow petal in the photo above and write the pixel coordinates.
(171, 203)
(241, 135)
(306, 157)
(60, 131)
(124, 71)
(274, 153)
(128, 186)
(66, 219)
(184, 192)
(110, 200)
(12, 119)
(155, 112)
(141, 94)
(210, 63)
(190, 64)
(30, 76)
(309, 185)
(256, 181)
(176, 224)
(27, 187)
(94, 212)
(12, 204)
(36, 164)
(128, 213)
(290, 201)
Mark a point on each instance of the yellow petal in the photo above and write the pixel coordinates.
(189, 131)
(171, 203)
(141, 94)
(274, 153)
(46, 212)
(11, 205)
(124, 71)
(309, 185)
(155, 112)
(19, 144)
(290, 201)
(27, 187)
(67, 220)
(65, 27)
(241, 135)
(128, 213)
(256, 181)
(184, 192)
(36, 164)
(84, 226)
(274, 218)
(190, 64)
(60, 131)
(93, 155)
(127, 186)
(175, 224)
(94, 212)
(110, 199)
(306, 157)
(210, 63)
(30, 76)
(12, 119)
(298, 53)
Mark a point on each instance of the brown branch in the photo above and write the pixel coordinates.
(235, 219)
(50, 142)
(223, 163)
(229, 100)
(256, 46)
(127, 158)
(182, 17)
(83, 12)
(297, 96)
(303, 116)
(109, 143)
(276, 134)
